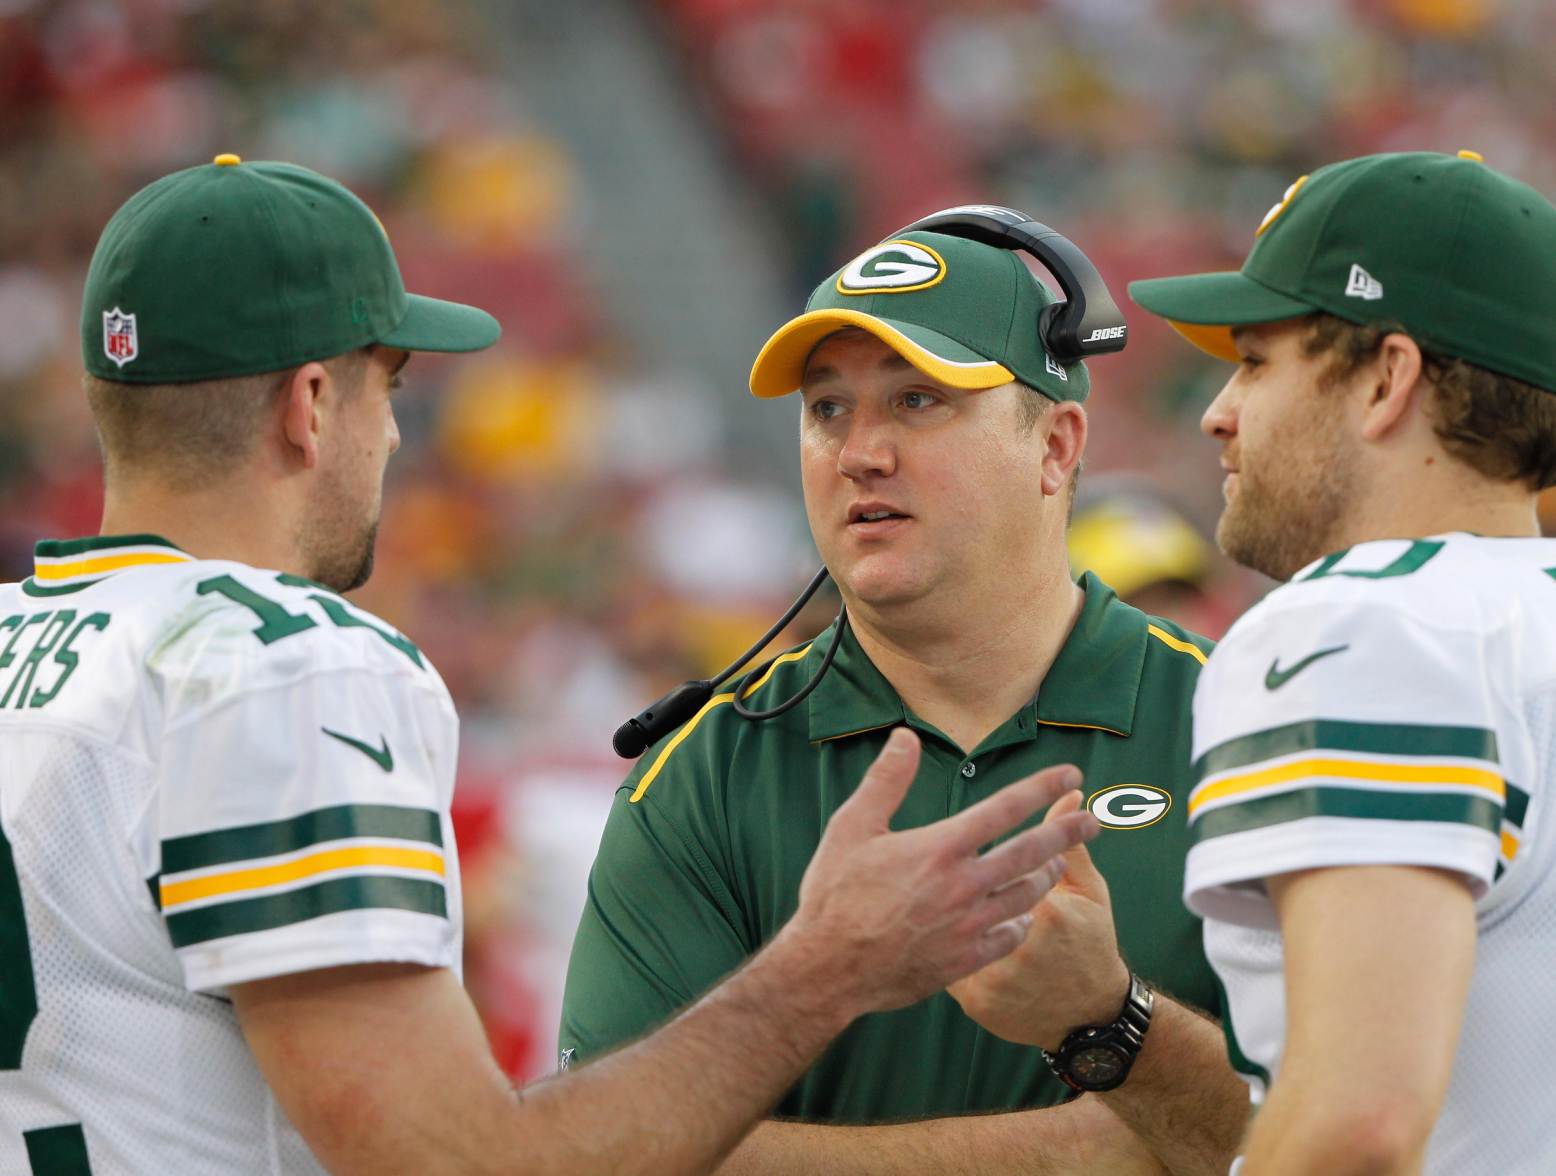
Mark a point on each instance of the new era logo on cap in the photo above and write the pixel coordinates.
(1054, 369)
(895, 267)
(1363, 285)
(120, 342)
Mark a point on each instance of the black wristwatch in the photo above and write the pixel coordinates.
(1098, 1057)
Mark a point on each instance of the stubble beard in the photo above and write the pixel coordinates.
(1280, 529)
(364, 560)
(341, 564)
(1281, 526)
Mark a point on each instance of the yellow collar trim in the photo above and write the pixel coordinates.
(58, 571)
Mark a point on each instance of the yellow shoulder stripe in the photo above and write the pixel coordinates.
(716, 700)
(1168, 639)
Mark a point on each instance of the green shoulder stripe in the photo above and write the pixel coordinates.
(1391, 739)
(246, 842)
(1453, 807)
(188, 928)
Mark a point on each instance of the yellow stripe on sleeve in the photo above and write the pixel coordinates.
(717, 700)
(344, 858)
(1509, 845)
(1404, 772)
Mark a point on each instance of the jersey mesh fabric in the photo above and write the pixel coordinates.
(1432, 674)
(158, 1076)
(1500, 1114)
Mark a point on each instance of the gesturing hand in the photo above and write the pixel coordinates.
(903, 914)
(1067, 972)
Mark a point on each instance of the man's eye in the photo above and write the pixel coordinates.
(824, 410)
(917, 400)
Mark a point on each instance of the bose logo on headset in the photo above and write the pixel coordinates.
(1129, 806)
(893, 268)
(1106, 333)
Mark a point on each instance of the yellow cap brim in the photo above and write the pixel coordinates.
(780, 365)
(1204, 308)
(1208, 337)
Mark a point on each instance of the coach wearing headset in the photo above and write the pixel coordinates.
(941, 431)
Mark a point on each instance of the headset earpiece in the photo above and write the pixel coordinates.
(1088, 321)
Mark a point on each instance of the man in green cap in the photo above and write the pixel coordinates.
(229, 895)
(1375, 742)
(939, 444)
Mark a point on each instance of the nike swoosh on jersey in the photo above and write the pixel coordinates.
(1276, 677)
(380, 755)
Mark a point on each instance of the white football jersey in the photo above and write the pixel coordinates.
(209, 774)
(1395, 704)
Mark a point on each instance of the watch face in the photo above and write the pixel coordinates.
(1095, 1066)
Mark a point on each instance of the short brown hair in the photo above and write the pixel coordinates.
(1499, 426)
(1030, 406)
(188, 434)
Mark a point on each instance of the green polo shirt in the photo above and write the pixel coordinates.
(701, 859)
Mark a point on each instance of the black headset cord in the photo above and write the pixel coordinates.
(788, 704)
(665, 714)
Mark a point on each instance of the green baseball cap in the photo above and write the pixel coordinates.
(233, 268)
(961, 312)
(1460, 255)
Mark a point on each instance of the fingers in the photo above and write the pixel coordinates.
(1083, 875)
(1068, 803)
(1007, 808)
(1030, 849)
(999, 941)
(883, 787)
(1017, 897)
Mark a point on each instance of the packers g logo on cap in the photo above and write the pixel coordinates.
(895, 267)
(1129, 806)
(1284, 203)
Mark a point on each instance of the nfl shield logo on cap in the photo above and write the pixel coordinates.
(119, 340)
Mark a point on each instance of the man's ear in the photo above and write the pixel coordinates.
(1064, 432)
(1395, 385)
(302, 421)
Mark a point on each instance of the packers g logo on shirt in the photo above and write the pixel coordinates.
(1129, 806)
(893, 268)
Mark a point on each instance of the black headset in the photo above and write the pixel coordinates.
(1086, 322)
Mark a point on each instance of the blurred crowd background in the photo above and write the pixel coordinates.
(641, 190)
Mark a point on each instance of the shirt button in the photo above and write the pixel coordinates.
(969, 769)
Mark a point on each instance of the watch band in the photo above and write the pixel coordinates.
(1099, 1057)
